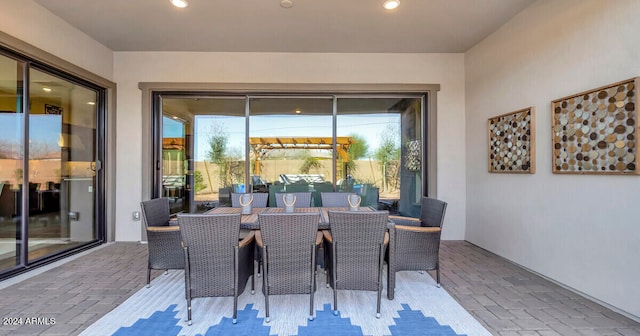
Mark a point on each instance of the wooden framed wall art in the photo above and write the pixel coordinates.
(512, 142)
(596, 132)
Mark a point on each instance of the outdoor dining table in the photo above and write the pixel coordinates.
(250, 222)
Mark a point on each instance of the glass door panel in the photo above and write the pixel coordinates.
(384, 161)
(204, 142)
(62, 164)
(11, 161)
(174, 178)
(291, 145)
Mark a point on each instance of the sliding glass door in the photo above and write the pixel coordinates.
(291, 145)
(214, 146)
(49, 164)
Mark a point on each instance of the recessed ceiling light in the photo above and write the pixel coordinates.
(46, 89)
(179, 3)
(391, 4)
(286, 3)
(91, 103)
(298, 111)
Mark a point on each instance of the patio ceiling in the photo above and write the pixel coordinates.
(352, 26)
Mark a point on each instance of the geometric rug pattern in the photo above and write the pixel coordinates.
(419, 308)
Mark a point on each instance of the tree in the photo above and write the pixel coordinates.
(357, 150)
(198, 181)
(309, 163)
(217, 142)
(388, 154)
(230, 169)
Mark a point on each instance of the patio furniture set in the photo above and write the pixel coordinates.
(218, 249)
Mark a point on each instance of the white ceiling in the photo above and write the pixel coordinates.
(359, 26)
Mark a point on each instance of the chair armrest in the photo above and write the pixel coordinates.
(407, 221)
(319, 238)
(258, 237)
(247, 240)
(163, 228)
(418, 228)
(327, 236)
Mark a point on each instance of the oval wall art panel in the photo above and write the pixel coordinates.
(596, 132)
(512, 142)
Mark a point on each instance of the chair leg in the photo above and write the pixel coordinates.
(187, 283)
(166, 272)
(381, 262)
(312, 283)
(259, 259)
(438, 275)
(391, 283)
(265, 284)
(335, 276)
(148, 277)
(235, 284)
(253, 284)
(189, 311)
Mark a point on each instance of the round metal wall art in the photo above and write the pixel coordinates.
(512, 142)
(595, 132)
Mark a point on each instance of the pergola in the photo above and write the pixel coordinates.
(261, 146)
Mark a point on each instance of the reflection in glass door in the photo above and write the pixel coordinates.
(62, 182)
(203, 150)
(11, 160)
(49, 203)
(174, 161)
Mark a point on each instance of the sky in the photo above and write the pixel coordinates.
(44, 128)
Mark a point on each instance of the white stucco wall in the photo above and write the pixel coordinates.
(444, 69)
(32, 23)
(582, 231)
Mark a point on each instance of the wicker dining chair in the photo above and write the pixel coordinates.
(288, 244)
(335, 199)
(216, 263)
(163, 240)
(303, 199)
(259, 200)
(415, 245)
(356, 246)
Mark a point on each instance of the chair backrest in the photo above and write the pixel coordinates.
(358, 227)
(259, 200)
(432, 212)
(289, 228)
(303, 199)
(357, 239)
(289, 239)
(210, 240)
(335, 199)
(156, 211)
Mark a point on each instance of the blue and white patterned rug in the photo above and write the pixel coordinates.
(419, 308)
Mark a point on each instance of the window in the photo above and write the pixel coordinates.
(371, 145)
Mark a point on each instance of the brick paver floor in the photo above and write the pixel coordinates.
(507, 299)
